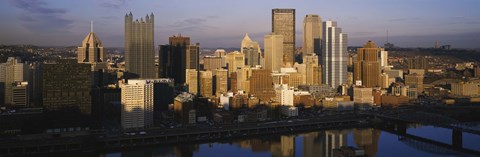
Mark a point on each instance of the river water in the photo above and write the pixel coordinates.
(321, 143)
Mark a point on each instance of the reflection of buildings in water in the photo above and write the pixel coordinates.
(185, 150)
(367, 140)
(284, 148)
(334, 139)
(256, 145)
(175, 151)
(313, 144)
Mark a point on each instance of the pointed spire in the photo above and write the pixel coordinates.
(130, 14)
(91, 26)
(247, 38)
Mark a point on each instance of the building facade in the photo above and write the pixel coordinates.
(283, 23)
(334, 55)
(139, 47)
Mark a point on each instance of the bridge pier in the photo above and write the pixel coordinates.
(457, 138)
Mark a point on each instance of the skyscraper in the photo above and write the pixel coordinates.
(283, 23)
(312, 70)
(13, 72)
(367, 65)
(139, 48)
(137, 104)
(67, 84)
(251, 50)
(235, 60)
(221, 81)
(273, 52)
(91, 50)
(334, 55)
(206, 83)
(261, 84)
(312, 34)
(176, 57)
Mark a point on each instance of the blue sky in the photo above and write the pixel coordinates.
(222, 23)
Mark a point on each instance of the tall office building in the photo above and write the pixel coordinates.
(192, 57)
(312, 34)
(191, 80)
(273, 52)
(137, 104)
(367, 66)
(235, 60)
(221, 81)
(66, 85)
(383, 58)
(415, 81)
(206, 83)
(283, 23)
(91, 50)
(12, 72)
(417, 62)
(334, 55)
(212, 63)
(252, 51)
(139, 48)
(313, 71)
(261, 84)
(173, 58)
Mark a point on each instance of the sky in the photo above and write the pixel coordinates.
(223, 23)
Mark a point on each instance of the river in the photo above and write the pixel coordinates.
(320, 143)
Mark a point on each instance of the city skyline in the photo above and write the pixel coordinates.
(64, 22)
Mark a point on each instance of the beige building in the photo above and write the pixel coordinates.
(283, 23)
(252, 51)
(221, 81)
(362, 95)
(139, 46)
(91, 50)
(313, 71)
(192, 57)
(235, 60)
(192, 80)
(367, 66)
(206, 83)
(212, 63)
(415, 80)
(137, 104)
(312, 34)
(11, 72)
(273, 52)
(465, 88)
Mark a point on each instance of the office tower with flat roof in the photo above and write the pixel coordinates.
(191, 80)
(221, 81)
(261, 84)
(67, 85)
(367, 66)
(173, 58)
(212, 63)
(273, 52)
(235, 60)
(312, 34)
(283, 23)
(417, 62)
(313, 71)
(12, 72)
(139, 46)
(192, 57)
(334, 55)
(137, 104)
(206, 83)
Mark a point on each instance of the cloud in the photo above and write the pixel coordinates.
(38, 16)
(192, 24)
(112, 4)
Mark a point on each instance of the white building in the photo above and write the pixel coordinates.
(226, 100)
(383, 59)
(137, 104)
(284, 95)
(334, 55)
